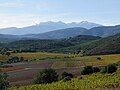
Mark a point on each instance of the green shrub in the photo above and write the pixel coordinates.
(96, 69)
(65, 74)
(87, 70)
(68, 78)
(46, 76)
(111, 68)
(3, 80)
(99, 58)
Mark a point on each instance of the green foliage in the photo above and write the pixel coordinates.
(46, 76)
(65, 74)
(82, 44)
(111, 68)
(96, 81)
(87, 70)
(15, 59)
(7, 53)
(107, 45)
(96, 69)
(49, 45)
(3, 80)
(67, 78)
(98, 58)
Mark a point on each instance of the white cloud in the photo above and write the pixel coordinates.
(10, 4)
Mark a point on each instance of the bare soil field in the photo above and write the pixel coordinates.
(25, 72)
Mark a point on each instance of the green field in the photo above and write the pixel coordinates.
(87, 60)
(105, 59)
(28, 56)
(70, 61)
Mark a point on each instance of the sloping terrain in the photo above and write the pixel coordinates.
(102, 31)
(49, 45)
(108, 45)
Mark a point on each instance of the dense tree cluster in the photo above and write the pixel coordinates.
(111, 68)
(46, 76)
(15, 59)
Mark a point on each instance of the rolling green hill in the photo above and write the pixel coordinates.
(49, 45)
(108, 45)
(91, 45)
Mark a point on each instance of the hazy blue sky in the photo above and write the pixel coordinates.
(22, 13)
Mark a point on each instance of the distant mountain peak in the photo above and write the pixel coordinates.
(51, 22)
(85, 22)
(46, 27)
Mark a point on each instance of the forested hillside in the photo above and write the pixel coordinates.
(48, 45)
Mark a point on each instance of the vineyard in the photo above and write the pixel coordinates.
(29, 56)
(22, 73)
(74, 60)
(95, 81)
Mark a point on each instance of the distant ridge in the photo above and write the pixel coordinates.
(102, 31)
(46, 27)
(107, 45)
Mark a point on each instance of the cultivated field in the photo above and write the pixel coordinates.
(23, 73)
(88, 82)
(29, 56)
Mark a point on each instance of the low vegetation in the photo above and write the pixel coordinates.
(99, 66)
(65, 74)
(36, 56)
(3, 80)
(111, 68)
(46, 76)
(95, 81)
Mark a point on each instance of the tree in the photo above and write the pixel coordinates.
(3, 80)
(7, 53)
(68, 78)
(46, 76)
(65, 74)
(96, 69)
(21, 59)
(111, 68)
(87, 70)
(99, 58)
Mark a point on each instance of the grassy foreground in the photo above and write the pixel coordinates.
(96, 81)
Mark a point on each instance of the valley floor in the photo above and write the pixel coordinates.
(94, 81)
(23, 72)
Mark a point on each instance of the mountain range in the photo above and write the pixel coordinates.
(46, 27)
(102, 31)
